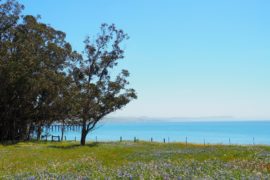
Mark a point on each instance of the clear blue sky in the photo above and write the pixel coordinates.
(187, 58)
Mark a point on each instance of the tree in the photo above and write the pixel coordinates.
(100, 92)
(9, 15)
(33, 73)
(46, 55)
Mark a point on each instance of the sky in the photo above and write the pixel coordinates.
(187, 58)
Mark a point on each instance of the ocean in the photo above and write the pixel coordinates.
(208, 132)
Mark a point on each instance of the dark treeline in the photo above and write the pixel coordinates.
(43, 81)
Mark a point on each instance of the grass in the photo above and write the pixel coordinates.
(129, 160)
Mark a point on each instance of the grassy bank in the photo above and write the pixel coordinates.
(130, 160)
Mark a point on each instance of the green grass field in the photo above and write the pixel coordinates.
(129, 160)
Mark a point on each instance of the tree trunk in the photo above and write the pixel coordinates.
(13, 132)
(30, 130)
(62, 132)
(39, 131)
(84, 134)
(25, 128)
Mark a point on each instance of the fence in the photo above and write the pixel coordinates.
(186, 140)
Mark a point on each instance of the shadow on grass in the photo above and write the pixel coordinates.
(9, 143)
(72, 146)
(14, 142)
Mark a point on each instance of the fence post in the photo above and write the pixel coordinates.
(253, 141)
(75, 138)
(151, 139)
(164, 140)
(120, 138)
(134, 139)
(96, 138)
(186, 141)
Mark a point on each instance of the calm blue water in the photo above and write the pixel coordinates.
(196, 132)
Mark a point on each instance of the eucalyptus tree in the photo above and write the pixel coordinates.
(101, 90)
(33, 77)
(46, 55)
(9, 16)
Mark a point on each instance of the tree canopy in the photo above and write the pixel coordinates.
(99, 93)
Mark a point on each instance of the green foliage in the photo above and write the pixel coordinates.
(99, 93)
(44, 81)
(33, 78)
